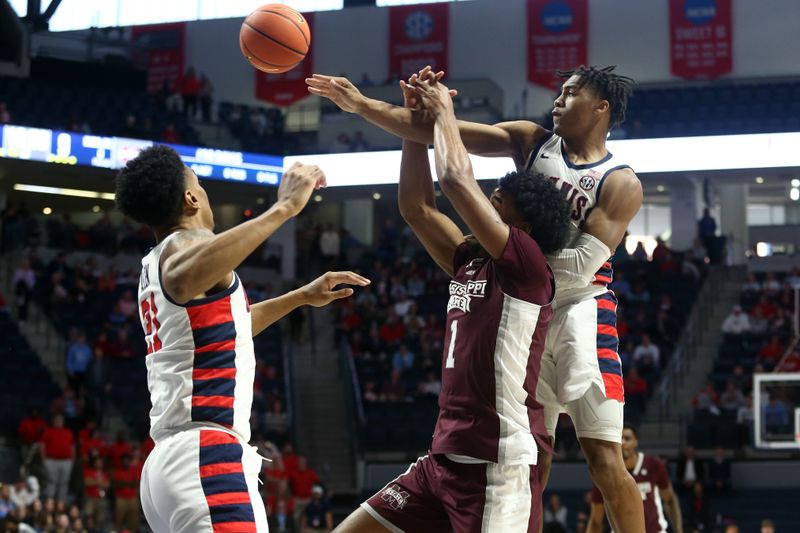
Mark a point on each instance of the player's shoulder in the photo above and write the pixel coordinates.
(526, 136)
(654, 464)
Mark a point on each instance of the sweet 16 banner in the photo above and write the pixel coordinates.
(558, 33)
(417, 37)
(700, 38)
(289, 87)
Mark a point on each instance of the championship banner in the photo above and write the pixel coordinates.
(418, 36)
(558, 35)
(700, 38)
(162, 48)
(290, 87)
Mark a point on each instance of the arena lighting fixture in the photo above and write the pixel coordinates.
(661, 188)
(795, 182)
(794, 194)
(317, 197)
(721, 152)
(47, 210)
(376, 196)
(759, 179)
(95, 209)
(80, 193)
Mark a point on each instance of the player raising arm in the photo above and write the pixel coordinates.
(581, 370)
(480, 474)
(199, 328)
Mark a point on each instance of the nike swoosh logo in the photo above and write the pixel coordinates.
(545, 156)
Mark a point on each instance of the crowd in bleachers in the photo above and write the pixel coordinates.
(757, 337)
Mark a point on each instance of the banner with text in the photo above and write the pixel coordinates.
(418, 36)
(162, 48)
(700, 38)
(289, 87)
(558, 34)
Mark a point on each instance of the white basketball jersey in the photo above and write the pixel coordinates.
(200, 357)
(581, 186)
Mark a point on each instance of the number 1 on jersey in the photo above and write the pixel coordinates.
(451, 360)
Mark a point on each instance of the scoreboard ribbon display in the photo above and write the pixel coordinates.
(53, 146)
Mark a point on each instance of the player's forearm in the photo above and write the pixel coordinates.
(403, 122)
(453, 166)
(266, 313)
(195, 269)
(673, 509)
(594, 526)
(415, 191)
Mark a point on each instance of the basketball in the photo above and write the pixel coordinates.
(274, 38)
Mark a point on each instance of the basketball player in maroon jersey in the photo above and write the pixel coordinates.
(651, 476)
(480, 473)
(581, 371)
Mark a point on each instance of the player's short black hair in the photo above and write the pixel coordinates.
(607, 86)
(150, 187)
(632, 428)
(541, 205)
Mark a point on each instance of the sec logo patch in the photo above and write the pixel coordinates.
(587, 183)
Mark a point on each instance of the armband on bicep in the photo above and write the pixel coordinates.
(576, 266)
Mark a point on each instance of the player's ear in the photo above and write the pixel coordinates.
(602, 106)
(190, 200)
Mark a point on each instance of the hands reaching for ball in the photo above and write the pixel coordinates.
(423, 90)
(338, 90)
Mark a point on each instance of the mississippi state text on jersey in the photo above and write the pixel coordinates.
(497, 317)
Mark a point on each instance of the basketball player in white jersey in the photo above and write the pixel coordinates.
(202, 475)
(581, 371)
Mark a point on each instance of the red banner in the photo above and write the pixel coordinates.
(558, 33)
(289, 87)
(700, 38)
(162, 48)
(418, 37)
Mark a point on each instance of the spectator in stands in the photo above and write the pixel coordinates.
(771, 353)
(280, 519)
(776, 416)
(636, 391)
(206, 95)
(190, 89)
(123, 348)
(329, 246)
(58, 453)
(403, 358)
(751, 284)
(79, 356)
(690, 470)
(276, 423)
(302, 482)
(32, 427)
(732, 399)
(24, 281)
(771, 284)
(555, 516)
(719, 471)
(5, 115)
(125, 481)
(7, 506)
(781, 323)
(639, 294)
(96, 485)
(707, 229)
(317, 515)
(393, 330)
(661, 252)
(393, 389)
(699, 509)
(25, 491)
(370, 394)
(170, 135)
(707, 399)
(639, 253)
(359, 143)
(736, 323)
(343, 144)
(791, 363)
(689, 267)
(768, 309)
(759, 326)
(767, 526)
(620, 285)
(119, 449)
(430, 387)
(131, 128)
(647, 358)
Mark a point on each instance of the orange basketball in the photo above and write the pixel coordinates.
(274, 38)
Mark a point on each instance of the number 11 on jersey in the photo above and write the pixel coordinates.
(451, 360)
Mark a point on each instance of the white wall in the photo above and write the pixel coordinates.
(488, 40)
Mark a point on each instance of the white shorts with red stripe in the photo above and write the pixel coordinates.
(581, 372)
(203, 481)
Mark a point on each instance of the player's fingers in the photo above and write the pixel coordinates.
(322, 77)
(314, 90)
(341, 293)
(439, 75)
(349, 277)
(453, 92)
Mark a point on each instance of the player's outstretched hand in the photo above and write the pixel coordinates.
(297, 185)
(338, 90)
(320, 291)
(435, 96)
(410, 97)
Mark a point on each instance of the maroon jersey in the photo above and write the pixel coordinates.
(651, 476)
(497, 317)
